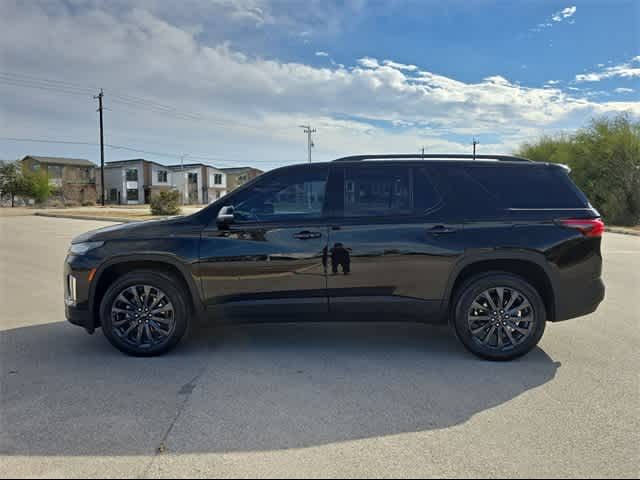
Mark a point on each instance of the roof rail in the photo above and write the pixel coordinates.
(418, 156)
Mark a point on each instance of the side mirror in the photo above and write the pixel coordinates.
(225, 215)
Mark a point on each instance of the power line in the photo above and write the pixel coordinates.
(124, 100)
(233, 162)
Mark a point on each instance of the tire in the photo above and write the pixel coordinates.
(499, 334)
(151, 325)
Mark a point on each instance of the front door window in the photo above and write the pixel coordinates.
(294, 194)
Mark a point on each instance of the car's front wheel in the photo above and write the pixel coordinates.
(499, 316)
(144, 313)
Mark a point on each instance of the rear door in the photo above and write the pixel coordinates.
(269, 261)
(394, 243)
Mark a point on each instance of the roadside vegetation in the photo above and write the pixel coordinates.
(166, 203)
(15, 182)
(604, 158)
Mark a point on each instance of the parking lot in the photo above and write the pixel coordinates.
(362, 400)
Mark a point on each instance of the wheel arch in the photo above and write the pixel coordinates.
(114, 268)
(531, 266)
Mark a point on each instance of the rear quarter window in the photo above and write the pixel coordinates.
(527, 186)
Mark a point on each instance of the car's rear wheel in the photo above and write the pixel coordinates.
(499, 316)
(144, 313)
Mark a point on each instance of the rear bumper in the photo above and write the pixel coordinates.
(575, 302)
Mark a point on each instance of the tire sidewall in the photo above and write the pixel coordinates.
(158, 280)
(474, 287)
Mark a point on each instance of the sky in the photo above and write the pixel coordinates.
(229, 82)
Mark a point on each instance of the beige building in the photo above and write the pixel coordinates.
(239, 176)
(72, 178)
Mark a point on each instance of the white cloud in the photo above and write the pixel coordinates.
(552, 82)
(624, 70)
(400, 66)
(322, 54)
(624, 90)
(557, 17)
(368, 62)
(566, 13)
(249, 106)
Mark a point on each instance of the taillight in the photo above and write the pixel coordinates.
(588, 227)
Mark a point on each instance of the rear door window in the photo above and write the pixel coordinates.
(377, 191)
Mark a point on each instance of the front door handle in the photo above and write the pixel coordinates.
(306, 235)
(441, 229)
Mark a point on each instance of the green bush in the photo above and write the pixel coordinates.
(166, 203)
(37, 186)
(605, 163)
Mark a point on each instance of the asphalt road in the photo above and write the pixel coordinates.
(365, 400)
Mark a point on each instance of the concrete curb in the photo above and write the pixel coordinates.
(88, 217)
(623, 231)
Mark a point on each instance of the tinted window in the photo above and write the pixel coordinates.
(132, 194)
(377, 191)
(131, 175)
(525, 186)
(425, 194)
(297, 193)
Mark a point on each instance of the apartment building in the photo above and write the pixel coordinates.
(136, 181)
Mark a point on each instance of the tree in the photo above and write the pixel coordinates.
(16, 182)
(12, 182)
(605, 163)
(37, 186)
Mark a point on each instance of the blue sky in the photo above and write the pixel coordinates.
(229, 81)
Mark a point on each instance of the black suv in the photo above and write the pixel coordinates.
(494, 245)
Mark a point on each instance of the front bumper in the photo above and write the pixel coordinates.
(76, 292)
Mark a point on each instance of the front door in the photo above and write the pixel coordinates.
(395, 245)
(269, 261)
(192, 187)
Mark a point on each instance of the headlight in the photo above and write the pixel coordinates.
(82, 248)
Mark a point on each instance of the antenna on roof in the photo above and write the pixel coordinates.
(475, 142)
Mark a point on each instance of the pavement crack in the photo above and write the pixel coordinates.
(185, 391)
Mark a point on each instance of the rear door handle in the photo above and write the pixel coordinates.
(306, 235)
(441, 229)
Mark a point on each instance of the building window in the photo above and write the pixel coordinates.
(132, 194)
(218, 194)
(113, 195)
(162, 176)
(54, 172)
(217, 179)
(131, 175)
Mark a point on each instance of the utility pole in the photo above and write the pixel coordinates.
(422, 153)
(308, 130)
(475, 142)
(99, 97)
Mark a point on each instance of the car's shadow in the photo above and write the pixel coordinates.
(245, 388)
